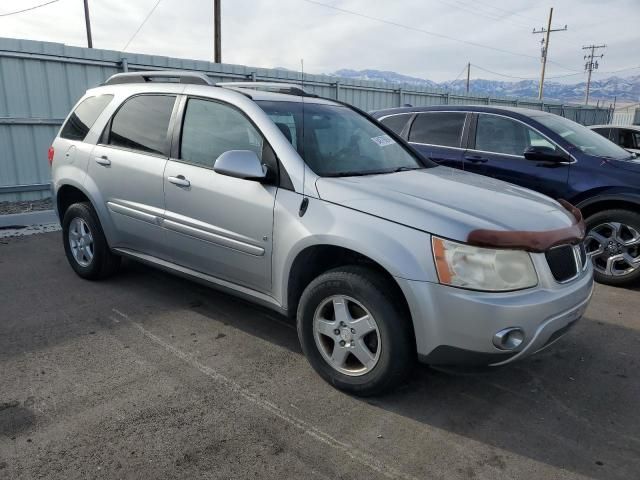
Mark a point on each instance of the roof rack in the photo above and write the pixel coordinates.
(172, 76)
(275, 87)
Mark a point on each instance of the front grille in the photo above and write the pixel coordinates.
(562, 262)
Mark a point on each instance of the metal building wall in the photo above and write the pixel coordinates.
(41, 81)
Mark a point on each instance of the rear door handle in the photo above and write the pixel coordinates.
(180, 181)
(103, 160)
(476, 159)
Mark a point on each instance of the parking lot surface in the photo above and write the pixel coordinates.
(148, 375)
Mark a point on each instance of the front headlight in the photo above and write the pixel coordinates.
(476, 268)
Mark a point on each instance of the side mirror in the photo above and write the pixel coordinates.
(543, 154)
(241, 164)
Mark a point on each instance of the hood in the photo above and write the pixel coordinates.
(446, 202)
(630, 164)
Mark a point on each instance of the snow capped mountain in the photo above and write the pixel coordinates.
(624, 89)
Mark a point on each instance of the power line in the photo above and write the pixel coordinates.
(426, 32)
(28, 9)
(473, 9)
(142, 24)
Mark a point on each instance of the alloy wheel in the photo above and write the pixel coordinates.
(347, 335)
(81, 241)
(614, 248)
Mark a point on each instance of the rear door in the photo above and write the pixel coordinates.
(219, 225)
(128, 166)
(439, 136)
(497, 145)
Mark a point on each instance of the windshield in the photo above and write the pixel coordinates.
(584, 139)
(339, 141)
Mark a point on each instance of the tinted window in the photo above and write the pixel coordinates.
(503, 135)
(142, 123)
(396, 122)
(438, 129)
(338, 141)
(602, 131)
(210, 129)
(84, 116)
(624, 138)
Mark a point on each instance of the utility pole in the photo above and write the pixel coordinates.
(468, 75)
(545, 49)
(217, 35)
(590, 65)
(87, 22)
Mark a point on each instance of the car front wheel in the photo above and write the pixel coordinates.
(354, 332)
(613, 243)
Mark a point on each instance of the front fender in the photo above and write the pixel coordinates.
(402, 251)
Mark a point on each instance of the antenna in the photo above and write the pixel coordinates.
(305, 200)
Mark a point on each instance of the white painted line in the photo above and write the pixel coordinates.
(359, 456)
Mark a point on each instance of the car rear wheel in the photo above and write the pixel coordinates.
(354, 333)
(85, 245)
(613, 243)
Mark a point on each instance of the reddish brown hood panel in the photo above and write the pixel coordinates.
(531, 241)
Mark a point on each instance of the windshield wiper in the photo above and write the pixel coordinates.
(355, 173)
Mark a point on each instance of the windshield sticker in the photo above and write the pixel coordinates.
(383, 140)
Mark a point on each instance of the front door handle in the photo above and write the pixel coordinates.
(179, 181)
(103, 160)
(476, 159)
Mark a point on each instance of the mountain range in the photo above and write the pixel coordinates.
(623, 90)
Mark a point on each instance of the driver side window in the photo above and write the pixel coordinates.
(210, 128)
(498, 134)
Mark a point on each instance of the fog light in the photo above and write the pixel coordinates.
(509, 338)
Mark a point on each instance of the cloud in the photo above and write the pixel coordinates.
(266, 33)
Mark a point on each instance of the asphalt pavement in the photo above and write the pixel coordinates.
(147, 375)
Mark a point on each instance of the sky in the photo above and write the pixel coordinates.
(416, 37)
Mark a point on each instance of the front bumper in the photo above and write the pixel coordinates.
(454, 326)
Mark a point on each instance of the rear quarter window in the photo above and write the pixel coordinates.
(84, 116)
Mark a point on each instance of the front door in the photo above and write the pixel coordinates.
(128, 167)
(216, 224)
(497, 150)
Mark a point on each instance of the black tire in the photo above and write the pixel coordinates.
(626, 217)
(396, 338)
(104, 263)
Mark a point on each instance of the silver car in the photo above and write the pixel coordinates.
(309, 207)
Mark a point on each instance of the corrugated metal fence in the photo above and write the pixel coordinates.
(40, 82)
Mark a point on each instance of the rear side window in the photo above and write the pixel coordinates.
(210, 128)
(84, 116)
(436, 128)
(396, 122)
(141, 124)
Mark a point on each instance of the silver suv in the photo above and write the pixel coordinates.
(309, 207)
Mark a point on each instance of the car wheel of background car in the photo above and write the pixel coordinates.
(353, 331)
(85, 245)
(613, 243)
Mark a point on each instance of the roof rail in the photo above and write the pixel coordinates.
(172, 76)
(275, 87)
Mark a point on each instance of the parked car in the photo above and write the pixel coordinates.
(628, 137)
(313, 209)
(546, 153)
